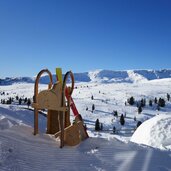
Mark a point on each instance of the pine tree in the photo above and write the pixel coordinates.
(122, 120)
(115, 113)
(143, 102)
(161, 102)
(97, 125)
(155, 100)
(114, 129)
(25, 100)
(139, 123)
(131, 100)
(28, 102)
(93, 107)
(139, 109)
(17, 98)
(150, 102)
(168, 97)
(101, 126)
(19, 101)
(9, 101)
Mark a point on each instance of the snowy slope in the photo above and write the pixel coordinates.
(20, 150)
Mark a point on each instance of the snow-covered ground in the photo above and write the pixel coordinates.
(149, 148)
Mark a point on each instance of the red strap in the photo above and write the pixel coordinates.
(72, 104)
(73, 107)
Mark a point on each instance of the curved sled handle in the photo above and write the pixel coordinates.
(36, 94)
(63, 103)
(37, 82)
(69, 73)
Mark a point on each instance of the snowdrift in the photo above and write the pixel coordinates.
(155, 132)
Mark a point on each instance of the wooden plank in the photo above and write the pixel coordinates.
(61, 122)
(83, 133)
(35, 121)
(62, 109)
(53, 122)
(71, 135)
(48, 122)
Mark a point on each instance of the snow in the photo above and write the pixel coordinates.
(146, 149)
(135, 77)
(21, 150)
(154, 132)
(99, 75)
(5, 123)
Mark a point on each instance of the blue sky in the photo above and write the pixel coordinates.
(83, 35)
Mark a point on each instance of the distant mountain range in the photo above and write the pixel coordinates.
(101, 76)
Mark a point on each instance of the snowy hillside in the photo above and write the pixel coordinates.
(103, 76)
(147, 149)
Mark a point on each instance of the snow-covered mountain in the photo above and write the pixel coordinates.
(128, 76)
(11, 80)
(103, 76)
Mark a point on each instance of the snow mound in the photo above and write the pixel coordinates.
(155, 132)
(6, 123)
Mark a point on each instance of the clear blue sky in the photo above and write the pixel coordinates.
(83, 35)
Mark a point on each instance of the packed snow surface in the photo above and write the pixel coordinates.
(20, 150)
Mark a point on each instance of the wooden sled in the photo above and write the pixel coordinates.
(58, 111)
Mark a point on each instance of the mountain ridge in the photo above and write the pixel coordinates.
(101, 76)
